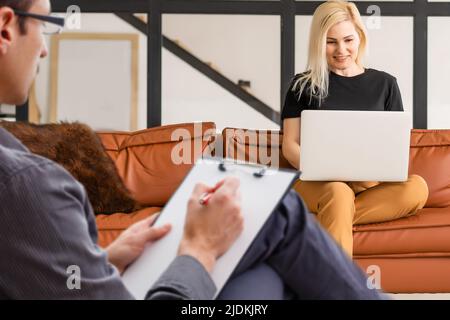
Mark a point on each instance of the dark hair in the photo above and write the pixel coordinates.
(23, 5)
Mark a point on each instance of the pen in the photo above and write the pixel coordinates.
(204, 198)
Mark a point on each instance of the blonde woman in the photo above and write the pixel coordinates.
(337, 80)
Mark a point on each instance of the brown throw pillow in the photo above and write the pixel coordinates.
(79, 150)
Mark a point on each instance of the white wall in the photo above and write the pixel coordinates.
(189, 96)
(103, 23)
(438, 72)
(254, 55)
(248, 47)
(242, 47)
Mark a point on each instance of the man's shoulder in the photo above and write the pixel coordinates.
(14, 162)
(28, 179)
(20, 167)
(15, 157)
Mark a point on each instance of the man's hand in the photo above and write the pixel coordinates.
(131, 243)
(211, 229)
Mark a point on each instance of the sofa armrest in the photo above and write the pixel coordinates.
(153, 162)
(254, 146)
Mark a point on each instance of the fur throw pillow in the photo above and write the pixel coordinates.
(78, 149)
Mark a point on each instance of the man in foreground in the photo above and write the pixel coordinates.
(47, 223)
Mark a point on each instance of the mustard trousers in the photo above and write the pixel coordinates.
(340, 205)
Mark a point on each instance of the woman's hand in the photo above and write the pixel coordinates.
(131, 243)
(291, 141)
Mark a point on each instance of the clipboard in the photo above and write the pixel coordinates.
(262, 188)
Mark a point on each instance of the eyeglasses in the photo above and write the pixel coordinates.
(51, 25)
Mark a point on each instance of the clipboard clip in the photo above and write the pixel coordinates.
(257, 174)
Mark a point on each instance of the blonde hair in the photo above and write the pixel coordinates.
(327, 15)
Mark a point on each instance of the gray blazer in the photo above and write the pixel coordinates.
(48, 234)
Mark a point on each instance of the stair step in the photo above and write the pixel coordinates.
(142, 16)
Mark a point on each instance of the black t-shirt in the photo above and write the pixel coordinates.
(371, 90)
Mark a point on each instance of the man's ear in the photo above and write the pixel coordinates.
(7, 23)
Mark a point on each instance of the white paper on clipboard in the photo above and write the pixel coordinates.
(260, 196)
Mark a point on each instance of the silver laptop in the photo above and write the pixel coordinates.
(354, 145)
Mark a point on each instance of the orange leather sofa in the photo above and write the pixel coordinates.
(143, 160)
(412, 254)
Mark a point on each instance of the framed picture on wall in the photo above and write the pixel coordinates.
(94, 80)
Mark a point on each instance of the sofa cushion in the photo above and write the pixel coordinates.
(427, 232)
(153, 162)
(111, 226)
(430, 158)
(77, 148)
(254, 146)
